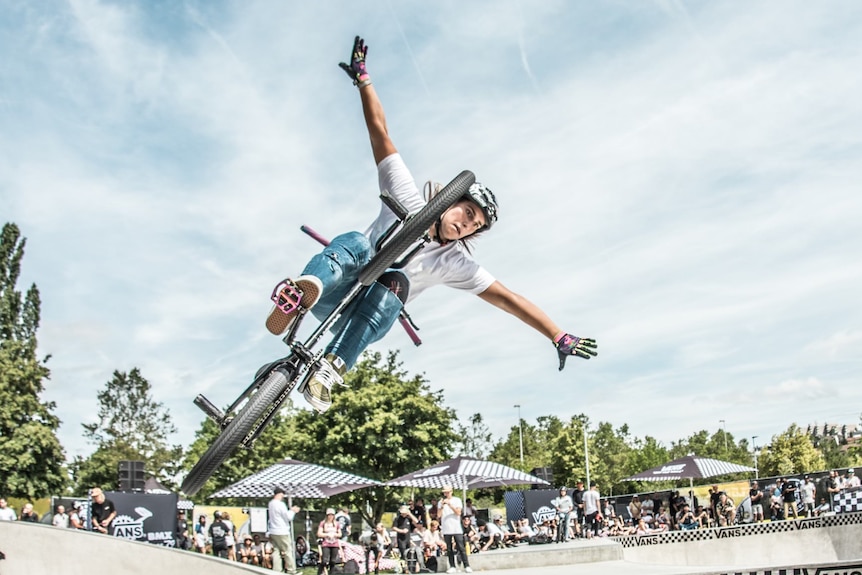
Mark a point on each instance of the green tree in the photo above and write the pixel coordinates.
(30, 453)
(538, 440)
(132, 425)
(646, 453)
(383, 424)
(790, 452)
(569, 465)
(833, 455)
(613, 456)
(475, 440)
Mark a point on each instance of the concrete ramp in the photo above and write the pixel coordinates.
(33, 548)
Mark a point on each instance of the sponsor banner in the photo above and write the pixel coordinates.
(144, 517)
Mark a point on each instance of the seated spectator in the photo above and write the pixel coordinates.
(662, 520)
(823, 508)
(686, 519)
(523, 531)
(776, 503)
(725, 509)
(267, 555)
(647, 516)
(300, 548)
(257, 548)
(246, 552)
(60, 518)
(27, 514)
(471, 534)
(490, 536)
(608, 511)
(75, 519)
(704, 521)
(432, 540)
(642, 528)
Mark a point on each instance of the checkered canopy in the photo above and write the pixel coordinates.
(689, 467)
(466, 473)
(298, 479)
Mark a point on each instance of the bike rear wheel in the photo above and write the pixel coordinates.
(416, 226)
(237, 430)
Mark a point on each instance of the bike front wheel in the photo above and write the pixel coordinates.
(416, 226)
(237, 430)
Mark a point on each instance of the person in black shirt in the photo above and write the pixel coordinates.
(403, 526)
(218, 535)
(788, 493)
(756, 496)
(102, 511)
(578, 499)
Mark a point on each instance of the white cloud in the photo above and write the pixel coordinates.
(683, 188)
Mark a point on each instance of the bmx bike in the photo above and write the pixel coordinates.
(246, 418)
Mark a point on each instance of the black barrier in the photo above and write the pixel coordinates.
(145, 517)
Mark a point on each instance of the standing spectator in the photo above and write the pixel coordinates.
(808, 492)
(833, 487)
(344, 523)
(788, 494)
(419, 511)
(403, 525)
(714, 497)
(331, 548)
(852, 480)
(756, 496)
(578, 499)
(201, 536)
(218, 535)
(450, 508)
(433, 510)
(60, 518)
(102, 511)
(27, 514)
(183, 539)
(469, 510)
(75, 519)
(280, 520)
(230, 537)
(775, 502)
(591, 510)
(564, 506)
(635, 509)
(6, 512)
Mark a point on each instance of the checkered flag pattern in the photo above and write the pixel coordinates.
(466, 473)
(848, 501)
(298, 479)
(747, 529)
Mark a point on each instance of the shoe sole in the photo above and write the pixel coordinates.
(277, 322)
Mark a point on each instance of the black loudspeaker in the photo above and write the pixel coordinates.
(545, 473)
(131, 475)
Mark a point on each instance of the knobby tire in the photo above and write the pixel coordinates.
(235, 432)
(416, 226)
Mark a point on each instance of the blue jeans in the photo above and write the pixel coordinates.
(374, 311)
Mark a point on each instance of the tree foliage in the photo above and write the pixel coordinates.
(131, 425)
(475, 440)
(31, 456)
(383, 424)
(790, 452)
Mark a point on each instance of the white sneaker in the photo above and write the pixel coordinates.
(318, 390)
(278, 320)
(467, 570)
(451, 570)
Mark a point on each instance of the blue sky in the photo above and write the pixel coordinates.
(679, 180)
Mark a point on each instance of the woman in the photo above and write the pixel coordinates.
(329, 532)
(378, 544)
(446, 260)
(247, 553)
(230, 537)
(635, 509)
(432, 540)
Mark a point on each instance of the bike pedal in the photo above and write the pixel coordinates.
(211, 411)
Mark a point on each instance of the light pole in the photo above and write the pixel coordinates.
(586, 454)
(754, 448)
(520, 434)
(724, 433)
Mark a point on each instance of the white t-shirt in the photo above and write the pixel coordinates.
(450, 522)
(8, 514)
(591, 501)
(852, 481)
(808, 490)
(448, 265)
